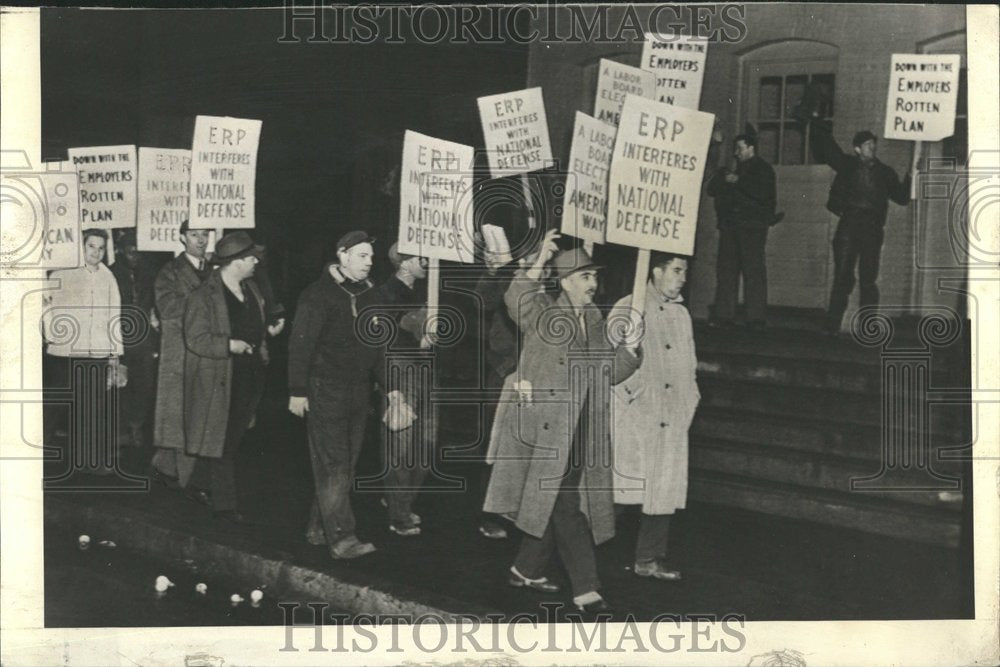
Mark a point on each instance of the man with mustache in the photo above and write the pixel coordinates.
(552, 456)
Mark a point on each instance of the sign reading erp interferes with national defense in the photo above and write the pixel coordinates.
(516, 132)
(107, 185)
(585, 202)
(678, 61)
(164, 197)
(656, 176)
(435, 199)
(923, 94)
(223, 172)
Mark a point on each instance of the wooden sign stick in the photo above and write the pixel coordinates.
(917, 147)
(639, 289)
(527, 201)
(433, 279)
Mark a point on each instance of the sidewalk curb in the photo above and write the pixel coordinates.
(357, 593)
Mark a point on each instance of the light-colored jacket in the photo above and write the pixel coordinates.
(653, 409)
(83, 318)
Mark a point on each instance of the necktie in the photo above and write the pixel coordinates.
(583, 328)
(201, 265)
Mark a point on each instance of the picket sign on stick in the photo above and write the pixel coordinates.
(526, 189)
(917, 148)
(639, 289)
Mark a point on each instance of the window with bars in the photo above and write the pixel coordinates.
(781, 140)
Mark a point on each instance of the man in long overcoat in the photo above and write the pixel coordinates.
(174, 283)
(652, 411)
(552, 474)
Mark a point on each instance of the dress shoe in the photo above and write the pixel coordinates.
(492, 531)
(350, 547)
(518, 580)
(414, 517)
(405, 531)
(231, 516)
(598, 610)
(163, 479)
(199, 496)
(657, 570)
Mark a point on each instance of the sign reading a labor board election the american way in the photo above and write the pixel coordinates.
(223, 171)
(656, 176)
(923, 93)
(678, 61)
(164, 197)
(435, 199)
(614, 82)
(107, 185)
(46, 210)
(516, 132)
(585, 202)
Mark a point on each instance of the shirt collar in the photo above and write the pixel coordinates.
(195, 262)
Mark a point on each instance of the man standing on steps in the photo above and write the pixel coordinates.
(174, 283)
(652, 411)
(860, 197)
(745, 201)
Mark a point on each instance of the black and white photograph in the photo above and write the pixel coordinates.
(500, 334)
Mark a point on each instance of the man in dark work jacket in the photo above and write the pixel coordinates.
(744, 203)
(331, 375)
(860, 196)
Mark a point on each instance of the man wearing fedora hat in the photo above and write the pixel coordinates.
(225, 331)
(174, 284)
(552, 456)
(330, 380)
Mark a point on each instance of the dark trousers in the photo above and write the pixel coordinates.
(567, 532)
(77, 399)
(335, 424)
(480, 479)
(407, 460)
(139, 395)
(858, 242)
(741, 251)
(652, 541)
(222, 470)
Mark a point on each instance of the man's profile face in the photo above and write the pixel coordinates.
(866, 151)
(581, 286)
(356, 261)
(669, 280)
(195, 242)
(742, 152)
(417, 266)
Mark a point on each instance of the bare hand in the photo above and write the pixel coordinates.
(298, 405)
(154, 321)
(277, 327)
(240, 347)
(549, 248)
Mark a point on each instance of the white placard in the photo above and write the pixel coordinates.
(107, 185)
(678, 61)
(223, 172)
(516, 132)
(435, 199)
(47, 208)
(923, 93)
(497, 246)
(164, 197)
(656, 176)
(614, 82)
(585, 201)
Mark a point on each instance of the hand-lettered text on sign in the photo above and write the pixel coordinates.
(923, 94)
(516, 132)
(614, 82)
(678, 61)
(585, 202)
(223, 171)
(107, 185)
(656, 176)
(164, 197)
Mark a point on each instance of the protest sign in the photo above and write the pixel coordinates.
(516, 132)
(164, 197)
(585, 201)
(223, 171)
(107, 185)
(656, 176)
(678, 61)
(614, 82)
(435, 200)
(923, 92)
(497, 246)
(47, 212)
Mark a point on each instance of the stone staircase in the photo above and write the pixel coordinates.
(788, 418)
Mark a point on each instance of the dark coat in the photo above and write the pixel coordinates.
(535, 438)
(174, 283)
(750, 201)
(208, 367)
(842, 192)
(497, 328)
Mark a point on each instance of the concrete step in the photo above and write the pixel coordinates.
(874, 515)
(784, 401)
(816, 471)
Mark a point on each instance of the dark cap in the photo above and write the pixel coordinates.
(396, 257)
(351, 239)
(569, 262)
(235, 245)
(184, 227)
(863, 136)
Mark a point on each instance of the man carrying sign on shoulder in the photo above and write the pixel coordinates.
(553, 454)
(652, 411)
(860, 197)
